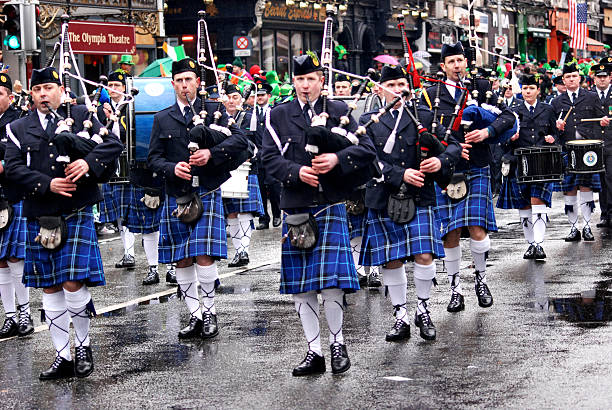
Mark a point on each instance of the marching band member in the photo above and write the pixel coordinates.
(604, 92)
(193, 231)
(312, 193)
(583, 104)
(240, 212)
(342, 85)
(63, 256)
(12, 234)
(475, 212)
(537, 128)
(391, 244)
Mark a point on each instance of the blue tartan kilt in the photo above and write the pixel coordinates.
(571, 181)
(178, 241)
(139, 218)
(385, 241)
(78, 260)
(116, 199)
(13, 238)
(253, 204)
(329, 264)
(475, 210)
(356, 224)
(514, 195)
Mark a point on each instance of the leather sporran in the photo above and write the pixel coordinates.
(6, 215)
(302, 230)
(189, 208)
(355, 205)
(401, 207)
(458, 188)
(53, 232)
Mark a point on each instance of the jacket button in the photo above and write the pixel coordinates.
(52, 167)
(50, 155)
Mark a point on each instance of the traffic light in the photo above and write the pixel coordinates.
(12, 26)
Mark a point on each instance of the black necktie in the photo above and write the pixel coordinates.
(394, 113)
(457, 94)
(573, 98)
(187, 114)
(531, 110)
(602, 95)
(305, 112)
(50, 128)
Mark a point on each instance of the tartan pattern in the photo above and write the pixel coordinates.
(13, 238)
(514, 195)
(385, 241)
(356, 224)
(329, 264)
(475, 210)
(78, 260)
(178, 241)
(115, 202)
(253, 204)
(139, 218)
(571, 181)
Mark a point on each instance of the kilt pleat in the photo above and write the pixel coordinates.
(329, 264)
(13, 238)
(78, 260)
(356, 224)
(571, 181)
(515, 195)
(139, 218)
(253, 204)
(385, 241)
(475, 210)
(178, 241)
(115, 202)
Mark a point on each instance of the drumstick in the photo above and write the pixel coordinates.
(568, 113)
(592, 119)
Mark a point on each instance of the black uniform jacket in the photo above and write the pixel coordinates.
(404, 155)
(288, 123)
(480, 154)
(10, 191)
(534, 128)
(606, 132)
(168, 146)
(586, 105)
(30, 162)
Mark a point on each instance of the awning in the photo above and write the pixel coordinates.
(592, 44)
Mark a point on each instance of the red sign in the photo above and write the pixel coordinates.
(242, 43)
(93, 37)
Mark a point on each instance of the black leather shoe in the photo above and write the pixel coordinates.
(276, 222)
(485, 299)
(340, 361)
(193, 329)
(427, 329)
(59, 369)
(530, 252)
(603, 223)
(457, 303)
(587, 235)
(363, 280)
(539, 253)
(83, 361)
(312, 364)
(399, 331)
(240, 259)
(210, 328)
(374, 280)
(26, 325)
(574, 235)
(171, 274)
(152, 277)
(9, 329)
(263, 226)
(127, 262)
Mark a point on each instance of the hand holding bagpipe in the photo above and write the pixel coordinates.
(201, 136)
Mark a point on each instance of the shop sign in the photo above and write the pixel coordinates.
(280, 11)
(537, 21)
(134, 4)
(439, 36)
(505, 18)
(462, 19)
(95, 37)
(607, 21)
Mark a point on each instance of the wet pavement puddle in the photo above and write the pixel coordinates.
(134, 306)
(589, 309)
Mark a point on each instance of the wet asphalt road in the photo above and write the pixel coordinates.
(545, 343)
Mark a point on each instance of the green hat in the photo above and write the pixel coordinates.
(286, 89)
(126, 59)
(238, 62)
(272, 77)
(341, 51)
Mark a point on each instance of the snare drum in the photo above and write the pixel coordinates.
(123, 170)
(539, 164)
(237, 186)
(585, 156)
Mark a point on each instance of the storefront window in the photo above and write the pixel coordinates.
(282, 53)
(267, 49)
(255, 54)
(316, 41)
(296, 44)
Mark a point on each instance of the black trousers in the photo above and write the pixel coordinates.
(270, 192)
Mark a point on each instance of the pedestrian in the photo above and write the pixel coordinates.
(313, 192)
(18, 321)
(58, 205)
(195, 229)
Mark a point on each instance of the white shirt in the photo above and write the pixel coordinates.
(529, 106)
(570, 93)
(182, 106)
(604, 91)
(43, 119)
(449, 86)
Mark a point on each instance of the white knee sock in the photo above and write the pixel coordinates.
(7, 292)
(76, 303)
(127, 238)
(246, 230)
(355, 250)
(479, 253)
(150, 242)
(23, 293)
(395, 281)
(333, 303)
(526, 216)
(307, 308)
(571, 209)
(423, 281)
(208, 275)
(586, 206)
(188, 284)
(539, 223)
(452, 262)
(233, 226)
(58, 320)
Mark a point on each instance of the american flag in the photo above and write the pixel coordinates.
(578, 29)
